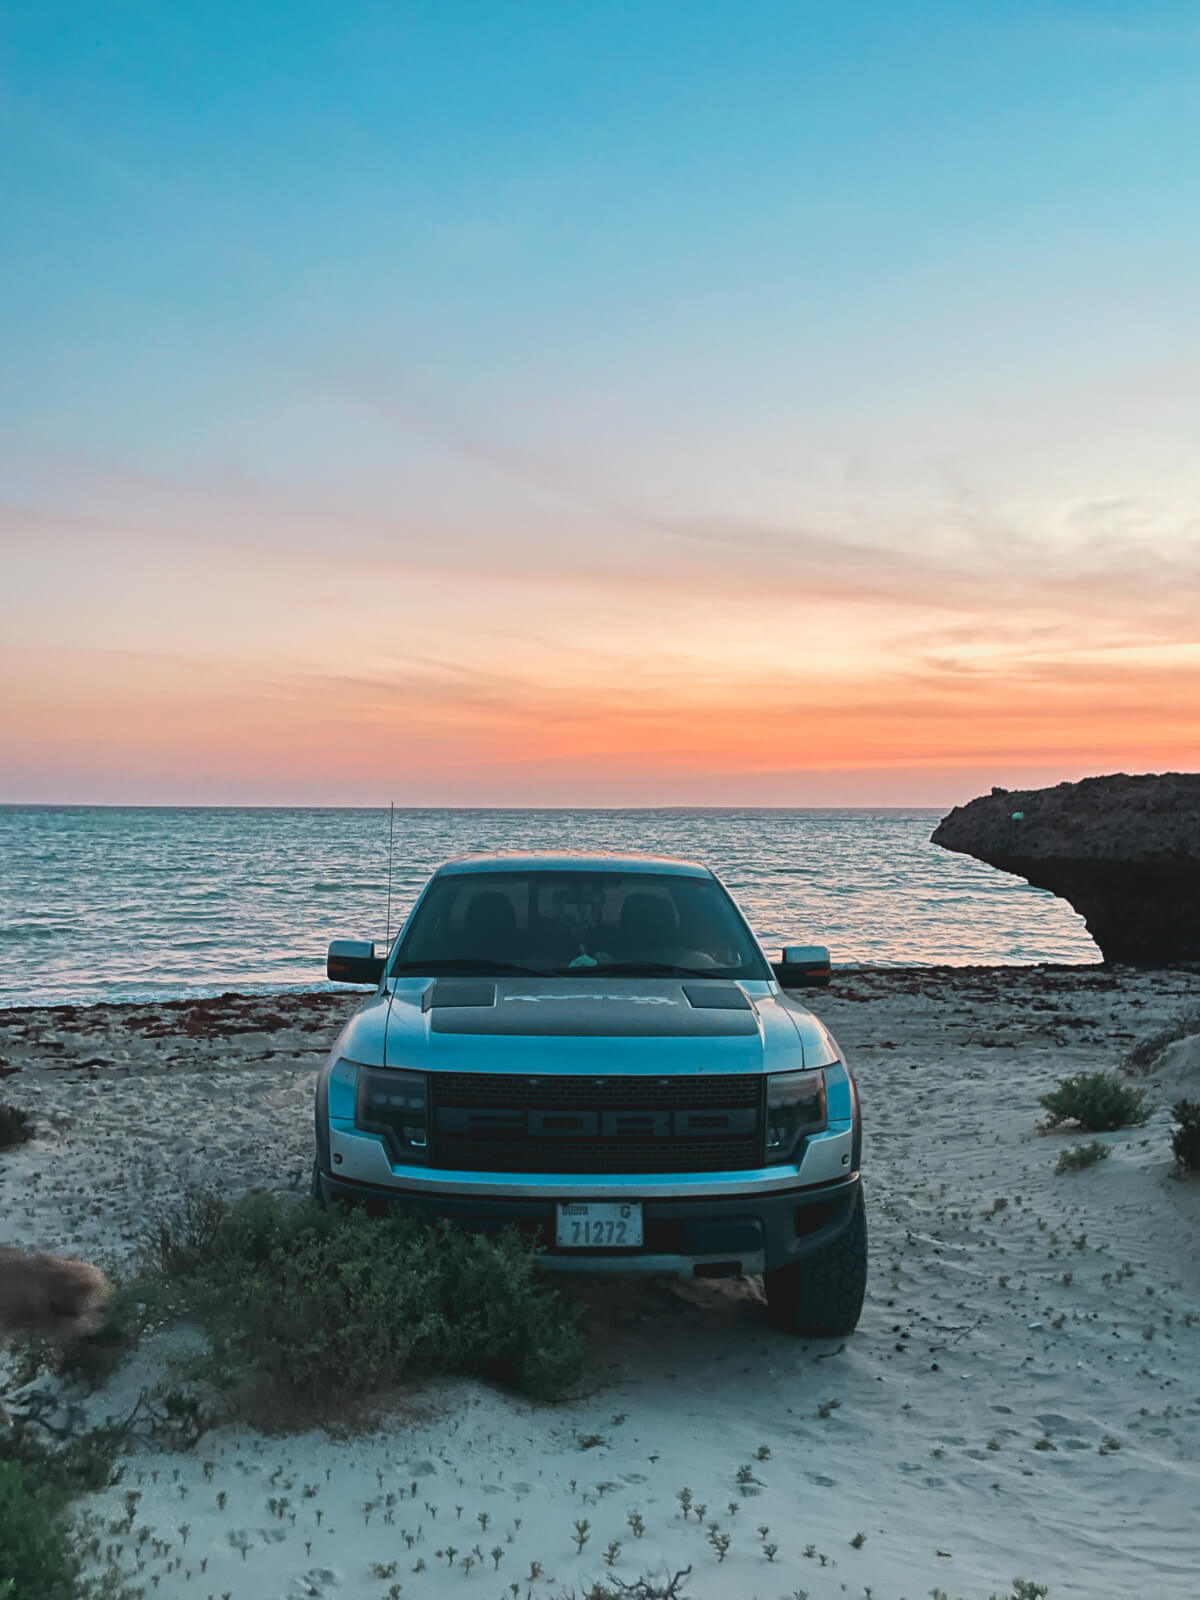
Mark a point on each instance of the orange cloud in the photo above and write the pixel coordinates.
(209, 641)
(432, 735)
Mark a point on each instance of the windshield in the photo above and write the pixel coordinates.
(572, 924)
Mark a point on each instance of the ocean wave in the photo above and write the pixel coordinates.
(348, 886)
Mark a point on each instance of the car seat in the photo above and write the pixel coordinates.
(648, 922)
(489, 924)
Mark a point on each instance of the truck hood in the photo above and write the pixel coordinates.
(585, 1025)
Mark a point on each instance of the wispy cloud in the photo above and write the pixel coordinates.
(23, 115)
(663, 645)
(1112, 573)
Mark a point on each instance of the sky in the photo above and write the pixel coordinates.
(596, 404)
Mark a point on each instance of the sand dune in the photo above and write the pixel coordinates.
(1021, 1397)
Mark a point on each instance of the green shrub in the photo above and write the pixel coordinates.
(1185, 1141)
(1098, 1101)
(37, 1554)
(1083, 1155)
(80, 1466)
(36, 1560)
(182, 1239)
(15, 1128)
(319, 1308)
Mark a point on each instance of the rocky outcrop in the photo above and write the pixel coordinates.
(1125, 852)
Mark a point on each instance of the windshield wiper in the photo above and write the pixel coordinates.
(657, 969)
(471, 966)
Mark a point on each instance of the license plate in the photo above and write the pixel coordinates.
(599, 1225)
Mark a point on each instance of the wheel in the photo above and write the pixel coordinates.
(315, 1186)
(821, 1296)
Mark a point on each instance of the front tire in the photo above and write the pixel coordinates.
(821, 1296)
(315, 1190)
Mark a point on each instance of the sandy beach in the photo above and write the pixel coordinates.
(1021, 1397)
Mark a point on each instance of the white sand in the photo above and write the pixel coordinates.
(1008, 1307)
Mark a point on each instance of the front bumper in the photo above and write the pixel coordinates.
(723, 1234)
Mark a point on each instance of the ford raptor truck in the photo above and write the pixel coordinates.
(595, 1049)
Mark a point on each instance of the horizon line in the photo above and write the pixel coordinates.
(136, 805)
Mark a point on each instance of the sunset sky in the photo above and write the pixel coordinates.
(551, 403)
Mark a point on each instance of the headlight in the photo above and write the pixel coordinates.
(795, 1108)
(396, 1105)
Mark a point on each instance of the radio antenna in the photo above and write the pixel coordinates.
(391, 830)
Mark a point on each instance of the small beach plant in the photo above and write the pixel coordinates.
(643, 1588)
(1081, 1156)
(720, 1542)
(16, 1126)
(1097, 1101)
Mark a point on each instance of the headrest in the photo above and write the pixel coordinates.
(490, 912)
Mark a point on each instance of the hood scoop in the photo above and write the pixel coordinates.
(717, 997)
(458, 992)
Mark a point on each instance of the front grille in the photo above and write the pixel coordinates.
(511, 1122)
(465, 1154)
(516, 1089)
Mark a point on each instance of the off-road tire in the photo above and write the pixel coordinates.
(315, 1186)
(821, 1296)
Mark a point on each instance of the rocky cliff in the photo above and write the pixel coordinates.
(1125, 852)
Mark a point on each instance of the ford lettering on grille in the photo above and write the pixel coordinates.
(505, 1122)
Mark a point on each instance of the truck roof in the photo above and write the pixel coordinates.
(572, 860)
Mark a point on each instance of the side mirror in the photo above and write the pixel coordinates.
(354, 961)
(804, 966)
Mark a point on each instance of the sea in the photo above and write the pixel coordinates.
(108, 903)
